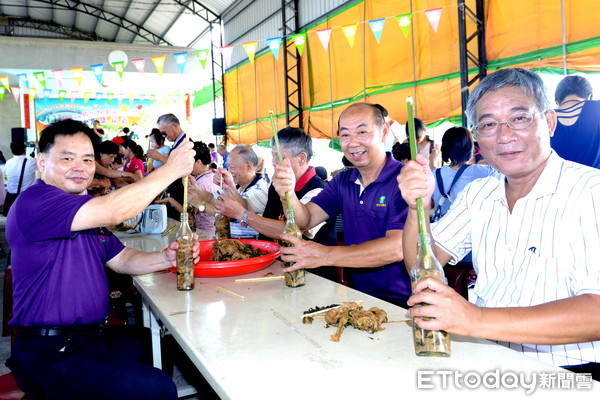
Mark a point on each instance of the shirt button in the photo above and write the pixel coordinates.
(361, 202)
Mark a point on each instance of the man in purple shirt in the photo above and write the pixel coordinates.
(372, 208)
(62, 350)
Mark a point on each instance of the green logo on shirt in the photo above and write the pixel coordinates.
(381, 202)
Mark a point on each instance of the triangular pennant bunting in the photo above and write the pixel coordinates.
(74, 94)
(377, 27)
(350, 33)
(202, 56)
(274, 45)
(98, 71)
(16, 91)
(180, 59)
(324, 36)
(58, 75)
(250, 49)
(4, 80)
(139, 64)
(404, 22)
(61, 95)
(99, 96)
(119, 66)
(433, 16)
(47, 93)
(78, 74)
(226, 52)
(2, 91)
(159, 63)
(86, 96)
(110, 97)
(41, 78)
(23, 81)
(32, 92)
(299, 40)
(131, 98)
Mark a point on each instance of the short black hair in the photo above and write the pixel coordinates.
(107, 147)
(65, 127)
(573, 84)
(126, 130)
(202, 153)
(17, 148)
(419, 127)
(211, 145)
(321, 172)
(346, 162)
(457, 145)
(401, 151)
(158, 136)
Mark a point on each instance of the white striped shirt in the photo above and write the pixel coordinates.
(547, 249)
(256, 196)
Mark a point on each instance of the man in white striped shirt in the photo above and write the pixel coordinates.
(534, 232)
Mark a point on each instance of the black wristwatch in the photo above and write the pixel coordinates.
(243, 221)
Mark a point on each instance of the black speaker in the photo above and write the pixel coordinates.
(18, 134)
(219, 126)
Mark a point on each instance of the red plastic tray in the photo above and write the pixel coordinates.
(229, 268)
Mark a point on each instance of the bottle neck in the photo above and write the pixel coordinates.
(424, 243)
(289, 215)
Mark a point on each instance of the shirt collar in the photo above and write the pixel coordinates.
(178, 140)
(388, 171)
(305, 178)
(546, 184)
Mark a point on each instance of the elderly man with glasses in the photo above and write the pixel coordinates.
(534, 232)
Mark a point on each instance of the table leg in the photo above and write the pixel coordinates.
(151, 322)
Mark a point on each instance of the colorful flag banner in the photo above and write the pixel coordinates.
(16, 91)
(299, 40)
(139, 63)
(350, 33)
(32, 92)
(61, 95)
(23, 81)
(324, 36)
(434, 16)
(41, 78)
(377, 27)
(58, 75)
(74, 94)
(78, 74)
(86, 96)
(98, 70)
(404, 22)
(180, 59)
(99, 95)
(203, 56)
(110, 97)
(250, 49)
(159, 63)
(119, 66)
(4, 80)
(274, 45)
(2, 91)
(47, 93)
(226, 52)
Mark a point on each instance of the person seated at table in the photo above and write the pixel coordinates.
(577, 134)
(203, 180)
(373, 211)
(62, 348)
(534, 232)
(240, 183)
(105, 154)
(157, 148)
(134, 161)
(296, 146)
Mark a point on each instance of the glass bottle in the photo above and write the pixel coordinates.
(185, 258)
(222, 227)
(295, 278)
(191, 211)
(428, 343)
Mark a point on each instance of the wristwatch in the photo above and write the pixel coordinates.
(202, 207)
(243, 221)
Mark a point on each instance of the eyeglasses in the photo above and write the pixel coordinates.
(519, 120)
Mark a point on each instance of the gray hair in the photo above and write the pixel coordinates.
(168, 119)
(529, 82)
(294, 140)
(246, 153)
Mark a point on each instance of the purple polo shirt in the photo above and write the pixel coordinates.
(368, 216)
(58, 275)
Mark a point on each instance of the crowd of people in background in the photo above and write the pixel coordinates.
(526, 151)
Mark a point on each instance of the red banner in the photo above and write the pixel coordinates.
(26, 111)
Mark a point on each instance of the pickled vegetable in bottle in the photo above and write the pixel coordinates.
(222, 227)
(295, 278)
(191, 211)
(428, 343)
(185, 257)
